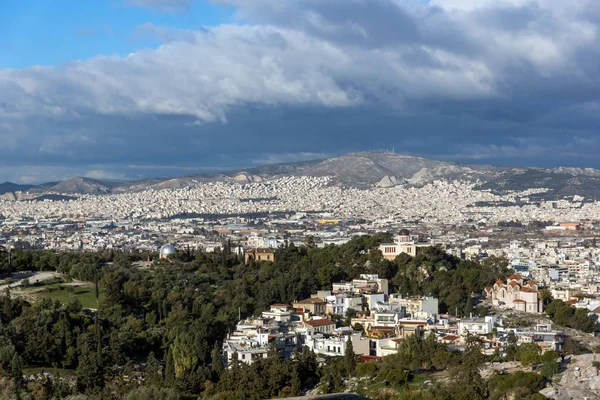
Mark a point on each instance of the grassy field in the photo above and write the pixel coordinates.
(66, 294)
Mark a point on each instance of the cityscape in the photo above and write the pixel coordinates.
(308, 199)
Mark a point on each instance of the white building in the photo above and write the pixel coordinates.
(335, 345)
(516, 294)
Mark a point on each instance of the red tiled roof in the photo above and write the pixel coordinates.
(519, 301)
(528, 290)
(450, 338)
(383, 328)
(280, 305)
(571, 302)
(531, 283)
(517, 277)
(262, 251)
(397, 341)
(370, 358)
(499, 282)
(596, 310)
(320, 322)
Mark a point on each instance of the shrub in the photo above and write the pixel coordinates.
(396, 377)
(366, 369)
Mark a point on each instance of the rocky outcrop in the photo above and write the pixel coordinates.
(579, 381)
(387, 181)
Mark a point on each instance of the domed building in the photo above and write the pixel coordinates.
(167, 250)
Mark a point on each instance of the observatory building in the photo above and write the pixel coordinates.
(167, 250)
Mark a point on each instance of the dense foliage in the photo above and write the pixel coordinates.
(157, 333)
(565, 315)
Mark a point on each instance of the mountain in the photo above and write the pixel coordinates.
(362, 169)
(9, 187)
(77, 185)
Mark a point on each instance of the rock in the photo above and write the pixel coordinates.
(387, 181)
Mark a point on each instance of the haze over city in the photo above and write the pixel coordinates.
(126, 89)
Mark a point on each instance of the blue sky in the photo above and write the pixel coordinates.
(127, 89)
(41, 32)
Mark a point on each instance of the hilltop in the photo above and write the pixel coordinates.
(361, 169)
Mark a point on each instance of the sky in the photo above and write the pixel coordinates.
(128, 89)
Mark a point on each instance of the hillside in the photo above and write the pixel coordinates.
(362, 169)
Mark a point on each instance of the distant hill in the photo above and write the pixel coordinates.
(362, 169)
(9, 187)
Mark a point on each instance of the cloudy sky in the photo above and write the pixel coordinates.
(122, 89)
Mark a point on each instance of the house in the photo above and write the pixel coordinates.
(320, 325)
(279, 312)
(391, 250)
(516, 294)
(340, 303)
(245, 353)
(452, 340)
(313, 305)
(384, 316)
(260, 255)
(366, 283)
(478, 326)
(335, 345)
(385, 346)
(417, 306)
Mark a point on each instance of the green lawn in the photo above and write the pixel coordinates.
(85, 294)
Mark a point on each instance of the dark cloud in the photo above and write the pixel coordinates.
(513, 82)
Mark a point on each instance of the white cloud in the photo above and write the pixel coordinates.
(459, 57)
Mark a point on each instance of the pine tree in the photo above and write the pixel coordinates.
(153, 369)
(468, 307)
(217, 362)
(90, 372)
(349, 358)
(16, 367)
(8, 305)
(296, 384)
(169, 368)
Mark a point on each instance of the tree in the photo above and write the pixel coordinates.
(169, 368)
(529, 358)
(16, 367)
(545, 295)
(153, 372)
(441, 359)
(309, 241)
(511, 348)
(216, 362)
(349, 358)
(296, 383)
(468, 307)
(90, 371)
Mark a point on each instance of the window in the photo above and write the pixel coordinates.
(243, 356)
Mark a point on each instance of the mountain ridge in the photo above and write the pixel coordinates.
(360, 169)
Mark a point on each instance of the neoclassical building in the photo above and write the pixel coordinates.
(516, 294)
